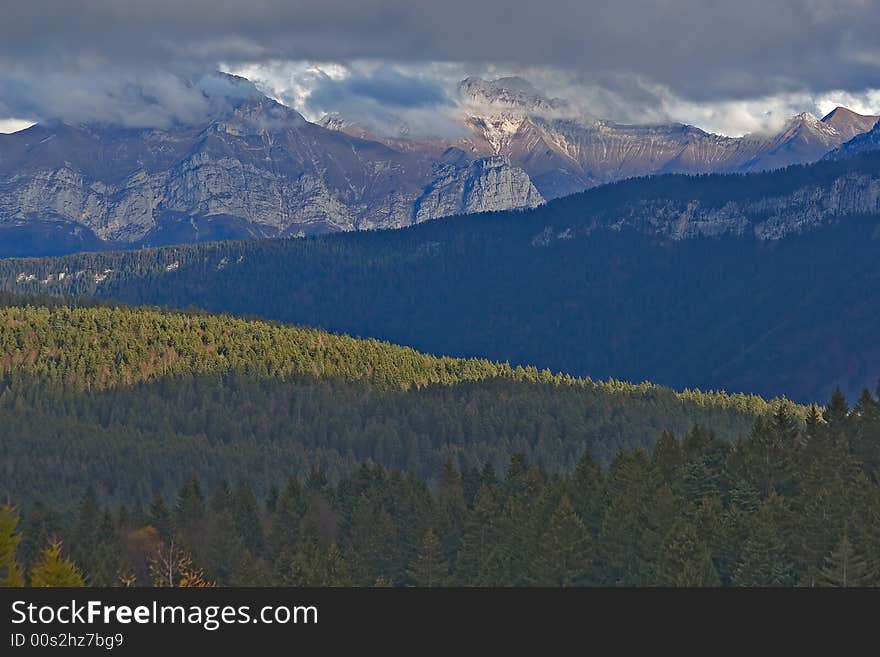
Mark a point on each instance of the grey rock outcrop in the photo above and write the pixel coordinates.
(262, 169)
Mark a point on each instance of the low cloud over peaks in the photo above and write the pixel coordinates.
(630, 60)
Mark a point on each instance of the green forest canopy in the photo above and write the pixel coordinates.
(134, 400)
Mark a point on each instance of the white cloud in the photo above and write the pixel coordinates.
(625, 99)
(8, 126)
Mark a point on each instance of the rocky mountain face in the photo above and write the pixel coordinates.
(564, 153)
(800, 205)
(863, 143)
(257, 168)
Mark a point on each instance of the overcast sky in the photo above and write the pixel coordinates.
(728, 66)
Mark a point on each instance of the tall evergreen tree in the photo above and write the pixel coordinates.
(845, 566)
(685, 560)
(480, 538)
(563, 555)
(837, 410)
(159, 516)
(430, 567)
(667, 456)
(55, 570)
(10, 573)
(764, 560)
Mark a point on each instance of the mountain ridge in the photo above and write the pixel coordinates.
(750, 282)
(258, 169)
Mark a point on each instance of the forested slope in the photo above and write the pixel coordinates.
(791, 504)
(133, 400)
(665, 279)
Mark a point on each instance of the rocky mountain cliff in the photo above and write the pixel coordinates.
(793, 202)
(256, 168)
(564, 152)
(862, 143)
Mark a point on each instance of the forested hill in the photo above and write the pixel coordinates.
(131, 401)
(621, 281)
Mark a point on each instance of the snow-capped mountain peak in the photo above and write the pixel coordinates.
(511, 93)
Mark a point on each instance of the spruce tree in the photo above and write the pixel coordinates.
(764, 560)
(666, 456)
(10, 573)
(159, 516)
(837, 410)
(430, 567)
(106, 562)
(563, 555)
(586, 492)
(845, 566)
(685, 561)
(451, 510)
(54, 570)
(247, 518)
(480, 538)
(284, 529)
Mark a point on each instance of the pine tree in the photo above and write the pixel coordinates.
(284, 529)
(84, 537)
(159, 516)
(221, 548)
(247, 518)
(812, 443)
(837, 410)
(640, 510)
(107, 559)
(564, 553)
(316, 566)
(54, 570)
(372, 539)
(480, 538)
(429, 567)
(10, 573)
(764, 560)
(189, 509)
(845, 566)
(867, 407)
(813, 419)
(451, 511)
(666, 456)
(785, 424)
(766, 458)
(586, 492)
(685, 560)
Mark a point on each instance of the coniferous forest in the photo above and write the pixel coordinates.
(141, 446)
(562, 286)
(790, 504)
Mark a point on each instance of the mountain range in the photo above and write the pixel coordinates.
(565, 152)
(759, 282)
(256, 168)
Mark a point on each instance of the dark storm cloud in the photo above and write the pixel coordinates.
(703, 50)
(386, 86)
(384, 100)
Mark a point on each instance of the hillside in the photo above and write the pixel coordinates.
(790, 504)
(131, 401)
(746, 283)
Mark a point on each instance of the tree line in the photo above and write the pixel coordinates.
(553, 287)
(790, 504)
(132, 400)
